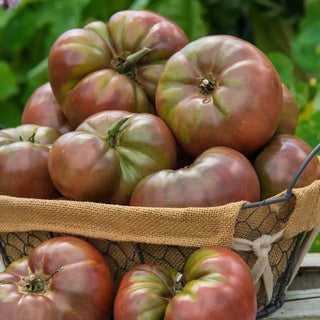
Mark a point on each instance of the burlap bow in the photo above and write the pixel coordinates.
(261, 248)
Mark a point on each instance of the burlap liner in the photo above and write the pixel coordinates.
(306, 214)
(191, 227)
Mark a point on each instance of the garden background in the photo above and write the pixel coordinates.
(288, 31)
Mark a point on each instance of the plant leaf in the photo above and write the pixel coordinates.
(285, 68)
(189, 15)
(8, 81)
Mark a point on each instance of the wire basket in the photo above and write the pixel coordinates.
(255, 221)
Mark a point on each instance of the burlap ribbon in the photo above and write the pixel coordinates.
(261, 248)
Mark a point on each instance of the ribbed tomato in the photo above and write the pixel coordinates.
(112, 66)
(43, 109)
(279, 161)
(218, 176)
(289, 113)
(64, 278)
(216, 284)
(220, 91)
(108, 154)
(24, 154)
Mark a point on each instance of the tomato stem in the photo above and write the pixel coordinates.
(127, 65)
(207, 86)
(113, 132)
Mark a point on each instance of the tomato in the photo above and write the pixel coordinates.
(218, 176)
(43, 109)
(24, 161)
(108, 154)
(216, 284)
(64, 278)
(279, 161)
(220, 91)
(112, 66)
(289, 114)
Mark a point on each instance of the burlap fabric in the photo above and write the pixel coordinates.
(167, 236)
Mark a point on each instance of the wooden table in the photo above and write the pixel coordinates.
(299, 305)
(303, 297)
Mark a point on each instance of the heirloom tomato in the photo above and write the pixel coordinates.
(24, 161)
(112, 66)
(289, 115)
(279, 161)
(216, 284)
(43, 109)
(220, 91)
(64, 278)
(218, 176)
(108, 154)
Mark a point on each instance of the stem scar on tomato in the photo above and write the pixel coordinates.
(37, 282)
(207, 86)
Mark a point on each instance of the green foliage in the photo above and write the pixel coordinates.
(316, 244)
(287, 31)
(285, 68)
(189, 15)
(26, 36)
(8, 81)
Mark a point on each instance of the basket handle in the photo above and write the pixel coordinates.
(288, 193)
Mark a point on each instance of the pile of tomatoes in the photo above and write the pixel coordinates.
(135, 114)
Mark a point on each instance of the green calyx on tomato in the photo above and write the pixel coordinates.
(127, 66)
(113, 132)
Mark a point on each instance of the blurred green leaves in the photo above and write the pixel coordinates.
(288, 32)
(8, 81)
(189, 15)
(284, 67)
(26, 36)
(306, 45)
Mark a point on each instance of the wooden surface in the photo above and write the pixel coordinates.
(308, 276)
(299, 305)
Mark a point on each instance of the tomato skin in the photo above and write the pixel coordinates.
(86, 65)
(220, 91)
(43, 109)
(77, 283)
(84, 165)
(289, 115)
(218, 176)
(217, 284)
(279, 161)
(24, 163)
